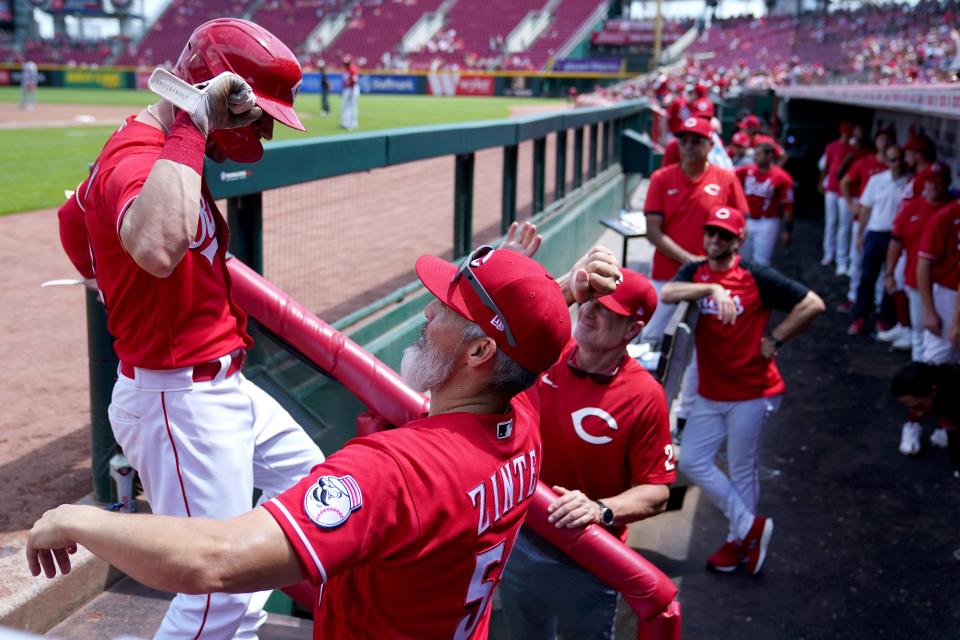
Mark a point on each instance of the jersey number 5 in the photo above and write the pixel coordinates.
(480, 590)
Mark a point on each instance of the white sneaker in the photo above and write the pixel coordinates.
(842, 271)
(939, 438)
(904, 342)
(890, 335)
(826, 262)
(910, 438)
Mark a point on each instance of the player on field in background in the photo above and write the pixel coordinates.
(29, 78)
(607, 451)
(404, 532)
(739, 385)
(350, 108)
(679, 198)
(200, 435)
(851, 187)
(836, 243)
(769, 192)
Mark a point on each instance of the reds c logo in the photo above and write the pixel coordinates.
(578, 418)
(712, 189)
(206, 238)
(331, 500)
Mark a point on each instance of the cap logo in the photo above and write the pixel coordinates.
(476, 262)
(497, 323)
(331, 500)
(690, 123)
(723, 214)
(712, 189)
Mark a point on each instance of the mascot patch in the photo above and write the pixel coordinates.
(331, 501)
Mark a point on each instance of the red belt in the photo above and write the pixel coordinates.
(203, 372)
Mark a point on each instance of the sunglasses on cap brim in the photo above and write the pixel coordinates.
(465, 271)
(717, 231)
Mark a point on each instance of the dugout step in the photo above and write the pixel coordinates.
(129, 609)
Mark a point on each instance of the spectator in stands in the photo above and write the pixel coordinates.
(739, 383)
(836, 244)
(879, 204)
(923, 388)
(769, 192)
(851, 187)
(611, 469)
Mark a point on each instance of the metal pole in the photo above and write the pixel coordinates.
(560, 182)
(103, 374)
(594, 144)
(657, 36)
(508, 207)
(463, 205)
(245, 218)
(578, 157)
(539, 173)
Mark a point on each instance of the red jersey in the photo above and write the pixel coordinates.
(908, 228)
(729, 360)
(684, 204)
(671, 153)
(836, 152)
(604, 437)
(408, 530)
(159, 323)
(860, 172)
(769, 193)
(677, 111)
(940, 245)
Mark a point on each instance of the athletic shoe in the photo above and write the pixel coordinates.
(890, 335)
(904, 342)
(856, 327)
(727, 558)
(910, 438)
(883, 325)
(842, 271)
(826, 262)
(756, 543)
(939, 438)
(846, 306)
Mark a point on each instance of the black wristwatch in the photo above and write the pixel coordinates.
(777, 342)
(606, 514)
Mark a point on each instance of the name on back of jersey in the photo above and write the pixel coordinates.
(508, 486)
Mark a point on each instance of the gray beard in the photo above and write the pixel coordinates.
(423, 367)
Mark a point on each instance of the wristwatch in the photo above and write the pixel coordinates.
(777, 342)
(606, 514)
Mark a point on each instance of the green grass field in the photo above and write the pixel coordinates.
(37, 164)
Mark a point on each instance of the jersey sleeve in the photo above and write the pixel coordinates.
(687, 272)
(933, 242)
(73, 233)
(654, 202)
(122, 184)
(652, 458)
(352, 508)
(736, 198)
(868, 197)
(786, 194)
(900, 219)
(776, 290)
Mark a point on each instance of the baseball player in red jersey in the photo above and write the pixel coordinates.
(852, 185)
(918, 153)
(200, 435)
(769, 192)
(938, 276)
(739, 382)
(406, 531)
(606, 450)
(837, 217)
(350, 108)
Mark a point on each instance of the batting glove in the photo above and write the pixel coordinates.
(228, 103)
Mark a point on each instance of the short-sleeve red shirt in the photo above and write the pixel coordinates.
(769, 193)
(671, 153)
(408, 530)
(684, 205)
(860, 172)
(836, 151)
(159, 323)
(604, 437)
(941, 246)
(908, 228)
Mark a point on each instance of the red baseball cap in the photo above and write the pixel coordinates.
(749, 121)
(702, 108)
(921, 144)
(740, 139)
(529, 299)
(697, 126)
(846, 128)
(633, 298)
(729, 219)
(937, 173)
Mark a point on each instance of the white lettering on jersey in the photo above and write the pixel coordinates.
(708, 305)
(506, 487)
(753, 187)
(206, 238)
(578, 417)
(712, 189)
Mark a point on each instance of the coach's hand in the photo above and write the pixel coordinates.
(572, 510)
(228, 103)
(594, 275)
(48, 546)
(527, 241)
(726, 308)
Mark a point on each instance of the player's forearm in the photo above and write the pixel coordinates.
(864, 220)
(800, 317)
(893, 255)
(162, 221)
(845, 188)
(925, 283)
(674, 292)
(638, 503)
(666, 245)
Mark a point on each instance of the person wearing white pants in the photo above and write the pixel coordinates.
(739, 383)
(834, 158)
(769, 192)
(349, 114)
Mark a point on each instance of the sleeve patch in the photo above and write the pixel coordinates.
(331, 500)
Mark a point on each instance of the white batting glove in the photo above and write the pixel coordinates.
(228, 103)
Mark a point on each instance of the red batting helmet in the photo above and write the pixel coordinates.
(257, 56)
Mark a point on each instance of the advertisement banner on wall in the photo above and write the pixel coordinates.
(94, 78)
(311, 82)
(389, 84)
(453, 84)
(588, 65)
(10, 77)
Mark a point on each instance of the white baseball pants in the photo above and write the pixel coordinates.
(761, 240)
(831, 213)
(844, 228)
(937, 349)
(741, 423)
(350, 111)
(654, 331)
(917, 353)
(200, 449)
